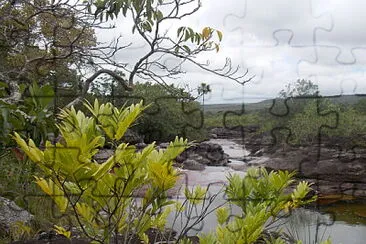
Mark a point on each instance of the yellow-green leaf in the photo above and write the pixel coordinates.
(61, 230)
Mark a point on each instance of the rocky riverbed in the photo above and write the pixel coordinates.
(334, 165)
(342, 222)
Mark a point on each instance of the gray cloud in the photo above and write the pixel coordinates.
(279, 41)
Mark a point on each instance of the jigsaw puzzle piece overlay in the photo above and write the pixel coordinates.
(251, 20)
(345, 32)
(270, 65)
(332, 76)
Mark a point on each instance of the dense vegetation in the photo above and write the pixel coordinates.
(99, 198)
(52, 61)
(303, 118)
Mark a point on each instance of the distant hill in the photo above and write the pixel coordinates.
(265, 104)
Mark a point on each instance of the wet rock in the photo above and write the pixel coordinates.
(205, 153)
(163, 145)
(213, 136)
(193, 165)
(140, 145)
(335, 173)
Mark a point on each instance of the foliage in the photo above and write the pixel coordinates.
(33, 118)
(263, 199)
(172, 111)
(300, 88)
(54, 42)
(360, 106)
(20, 231)
(326, 119)
(43, 41)
(231, 120)
(149, 15)
(61, 231)
(17, 184)
(99, 197)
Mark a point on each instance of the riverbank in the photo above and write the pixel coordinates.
(335, 167)
(342, 221)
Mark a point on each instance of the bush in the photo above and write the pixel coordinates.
(326, 119)
(262, 199)
(231, 119)
(99, 197)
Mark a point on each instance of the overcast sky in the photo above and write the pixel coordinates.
(279, 42)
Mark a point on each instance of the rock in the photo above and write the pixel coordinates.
(236, 132)
(193, 165)
(163, 145)
(205, 153)
(213, 136)
(336, 173)
(258, 153)
(224, 133)
(140, 146)
(239, 166)
(103, 155)
(10, 213)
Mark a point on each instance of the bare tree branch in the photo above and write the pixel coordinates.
(88, 81)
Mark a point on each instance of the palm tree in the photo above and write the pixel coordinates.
(202, 90)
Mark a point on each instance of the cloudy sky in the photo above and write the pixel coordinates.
(279, 42)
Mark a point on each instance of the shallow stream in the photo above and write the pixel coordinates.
(343, 222)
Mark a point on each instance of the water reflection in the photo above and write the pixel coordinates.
(313, 226)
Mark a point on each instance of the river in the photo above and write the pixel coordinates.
(341, 222)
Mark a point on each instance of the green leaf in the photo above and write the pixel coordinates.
(188, 50)
(219, 34)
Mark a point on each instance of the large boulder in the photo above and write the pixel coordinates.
(10, 213)
(205, 153)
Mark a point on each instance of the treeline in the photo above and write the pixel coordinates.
(302, 119)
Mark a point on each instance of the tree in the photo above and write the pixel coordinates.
(202, 90)
(300, 88)
(66, 38)
(43, 41)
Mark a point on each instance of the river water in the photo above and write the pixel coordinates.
(341, 222)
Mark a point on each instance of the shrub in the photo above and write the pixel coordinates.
(262, 199)
(326, 119)
(99, 197)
